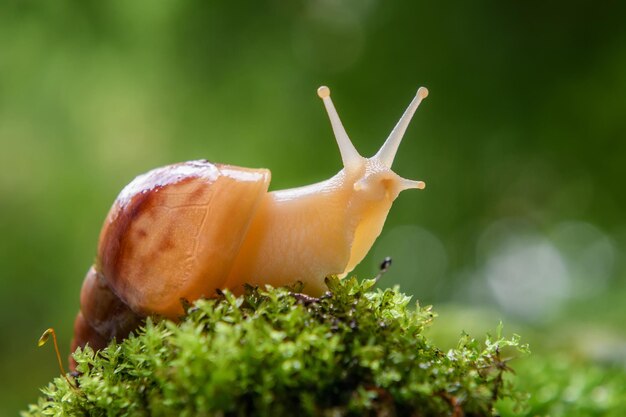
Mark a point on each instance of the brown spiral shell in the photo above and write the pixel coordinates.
(172, 234)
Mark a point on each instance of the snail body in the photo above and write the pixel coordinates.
(184, 230)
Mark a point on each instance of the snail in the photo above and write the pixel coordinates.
(182, 231)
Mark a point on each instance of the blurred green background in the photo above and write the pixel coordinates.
(522, 143)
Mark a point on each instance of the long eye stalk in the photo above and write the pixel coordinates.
(388, 151)
(349, 155)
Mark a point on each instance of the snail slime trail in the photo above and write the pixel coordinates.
(184, 230)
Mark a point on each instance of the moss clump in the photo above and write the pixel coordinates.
(274, 352)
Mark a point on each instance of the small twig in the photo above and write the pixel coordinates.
(457, 410)
(307, 299)
(384, 267)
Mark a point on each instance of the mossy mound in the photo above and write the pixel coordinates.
(275, 352)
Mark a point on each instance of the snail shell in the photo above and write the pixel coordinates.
(172, 234)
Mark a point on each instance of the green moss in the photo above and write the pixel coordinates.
(273, 352)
